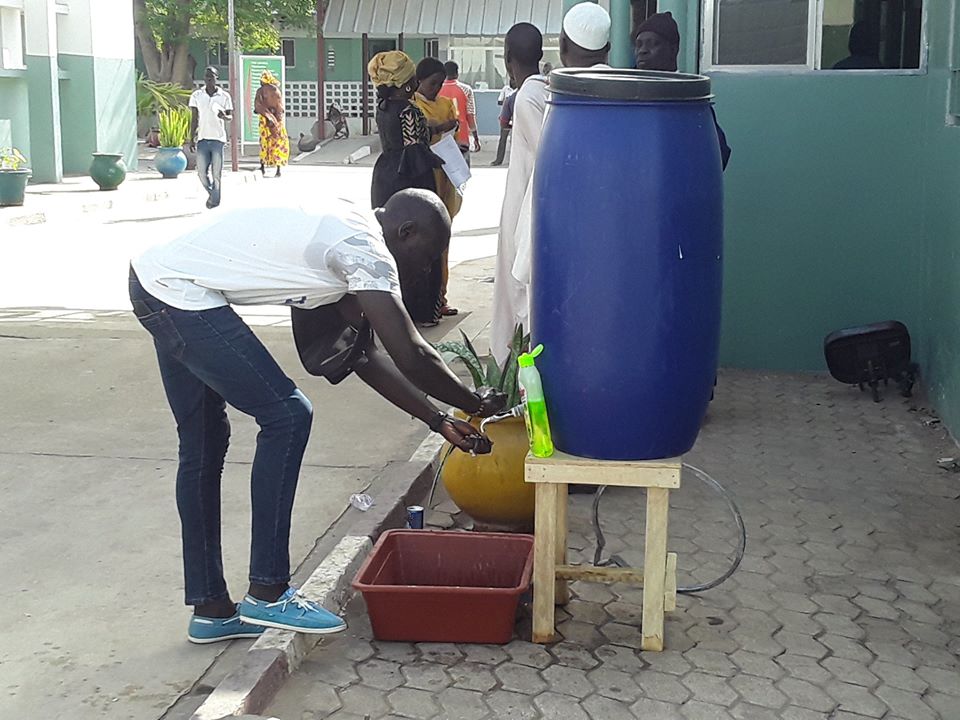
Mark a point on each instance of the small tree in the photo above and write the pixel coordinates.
(164, 29)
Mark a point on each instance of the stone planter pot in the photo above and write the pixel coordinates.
(13, 186)
(170, 161)
(108, 170)
(490, 488)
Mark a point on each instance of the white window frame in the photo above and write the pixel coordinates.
(709, 30)
(12, 39)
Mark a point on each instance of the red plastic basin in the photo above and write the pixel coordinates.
(437, 586)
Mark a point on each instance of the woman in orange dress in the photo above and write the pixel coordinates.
(442, 117)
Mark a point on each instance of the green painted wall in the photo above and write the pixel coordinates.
(14, 107)
(940, 183)
(823, 210)
(43, 104)
(77, 102)
(116, 107)
(98, 107)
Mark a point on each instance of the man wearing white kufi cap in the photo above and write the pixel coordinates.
(585, 38)
(584, 42)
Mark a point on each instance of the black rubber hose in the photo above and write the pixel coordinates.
(689, 589)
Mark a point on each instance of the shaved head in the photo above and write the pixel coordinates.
(524, 44)
(416, 228)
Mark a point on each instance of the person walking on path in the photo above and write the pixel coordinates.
(274, 141)
(523, 51)
(442, 117)
(405, 162)
(462, 95)
(505, 101)
(338, 261)
(210, 106)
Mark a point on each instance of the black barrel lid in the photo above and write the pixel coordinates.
(638, 85)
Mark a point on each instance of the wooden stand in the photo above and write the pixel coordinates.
(550, 569)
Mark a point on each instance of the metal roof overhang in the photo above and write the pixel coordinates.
(437, 18)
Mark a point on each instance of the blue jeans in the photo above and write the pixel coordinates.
(210, 168)
(209, 358)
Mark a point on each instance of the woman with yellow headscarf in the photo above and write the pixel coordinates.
(405, 162)
(442, 117)
(274, 142)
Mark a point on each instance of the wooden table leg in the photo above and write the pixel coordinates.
(670, 594)
(544, 562)
(654, 568)
(562, 592)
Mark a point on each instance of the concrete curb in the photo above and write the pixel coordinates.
(278, 653)
(111, 202)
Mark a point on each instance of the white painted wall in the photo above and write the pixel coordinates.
(112, 25)
(101, 28)
(73, 29)
(41, 27)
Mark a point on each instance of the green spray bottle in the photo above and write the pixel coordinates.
(534, 405)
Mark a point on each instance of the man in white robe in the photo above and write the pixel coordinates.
(584, 42)
(523, 50)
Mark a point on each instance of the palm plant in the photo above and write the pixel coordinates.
(174, 126)
(154, 97)
(486, 372)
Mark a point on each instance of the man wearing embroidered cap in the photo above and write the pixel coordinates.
(585, 37)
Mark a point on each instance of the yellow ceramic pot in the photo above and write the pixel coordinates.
(490, 488)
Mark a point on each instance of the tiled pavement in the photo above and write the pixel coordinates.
(847, 604)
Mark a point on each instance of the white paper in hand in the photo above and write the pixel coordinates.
(454, 165)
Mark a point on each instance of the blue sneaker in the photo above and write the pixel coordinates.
(291, 612)
(204, 630)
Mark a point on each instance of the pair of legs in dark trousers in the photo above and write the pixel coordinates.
(502, 147)
(209, 358)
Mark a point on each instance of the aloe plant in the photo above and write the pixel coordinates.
(484, 371)
(174, 126)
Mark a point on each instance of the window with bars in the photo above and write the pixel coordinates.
(813, 34)
(217, 54)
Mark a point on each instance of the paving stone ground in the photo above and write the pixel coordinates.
(846, 605)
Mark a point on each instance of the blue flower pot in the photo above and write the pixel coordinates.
(170, 161)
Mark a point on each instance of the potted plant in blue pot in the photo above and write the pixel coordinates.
(174, 132)
(13, 177)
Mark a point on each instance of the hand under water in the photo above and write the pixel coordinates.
(465, 436)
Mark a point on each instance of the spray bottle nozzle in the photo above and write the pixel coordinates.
(526, 359)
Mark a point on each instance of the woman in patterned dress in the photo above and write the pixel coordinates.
(274, 142)
(405, 162)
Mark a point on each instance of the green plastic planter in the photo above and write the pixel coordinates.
(13, 186)
(108, 170)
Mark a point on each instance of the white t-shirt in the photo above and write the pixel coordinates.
(305, 257)
(209, 124)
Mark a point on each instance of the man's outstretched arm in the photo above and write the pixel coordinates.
(382, 375)
(414, 358)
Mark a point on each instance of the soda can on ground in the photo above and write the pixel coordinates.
(415, 517)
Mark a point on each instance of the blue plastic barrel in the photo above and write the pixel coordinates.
(627, 261)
